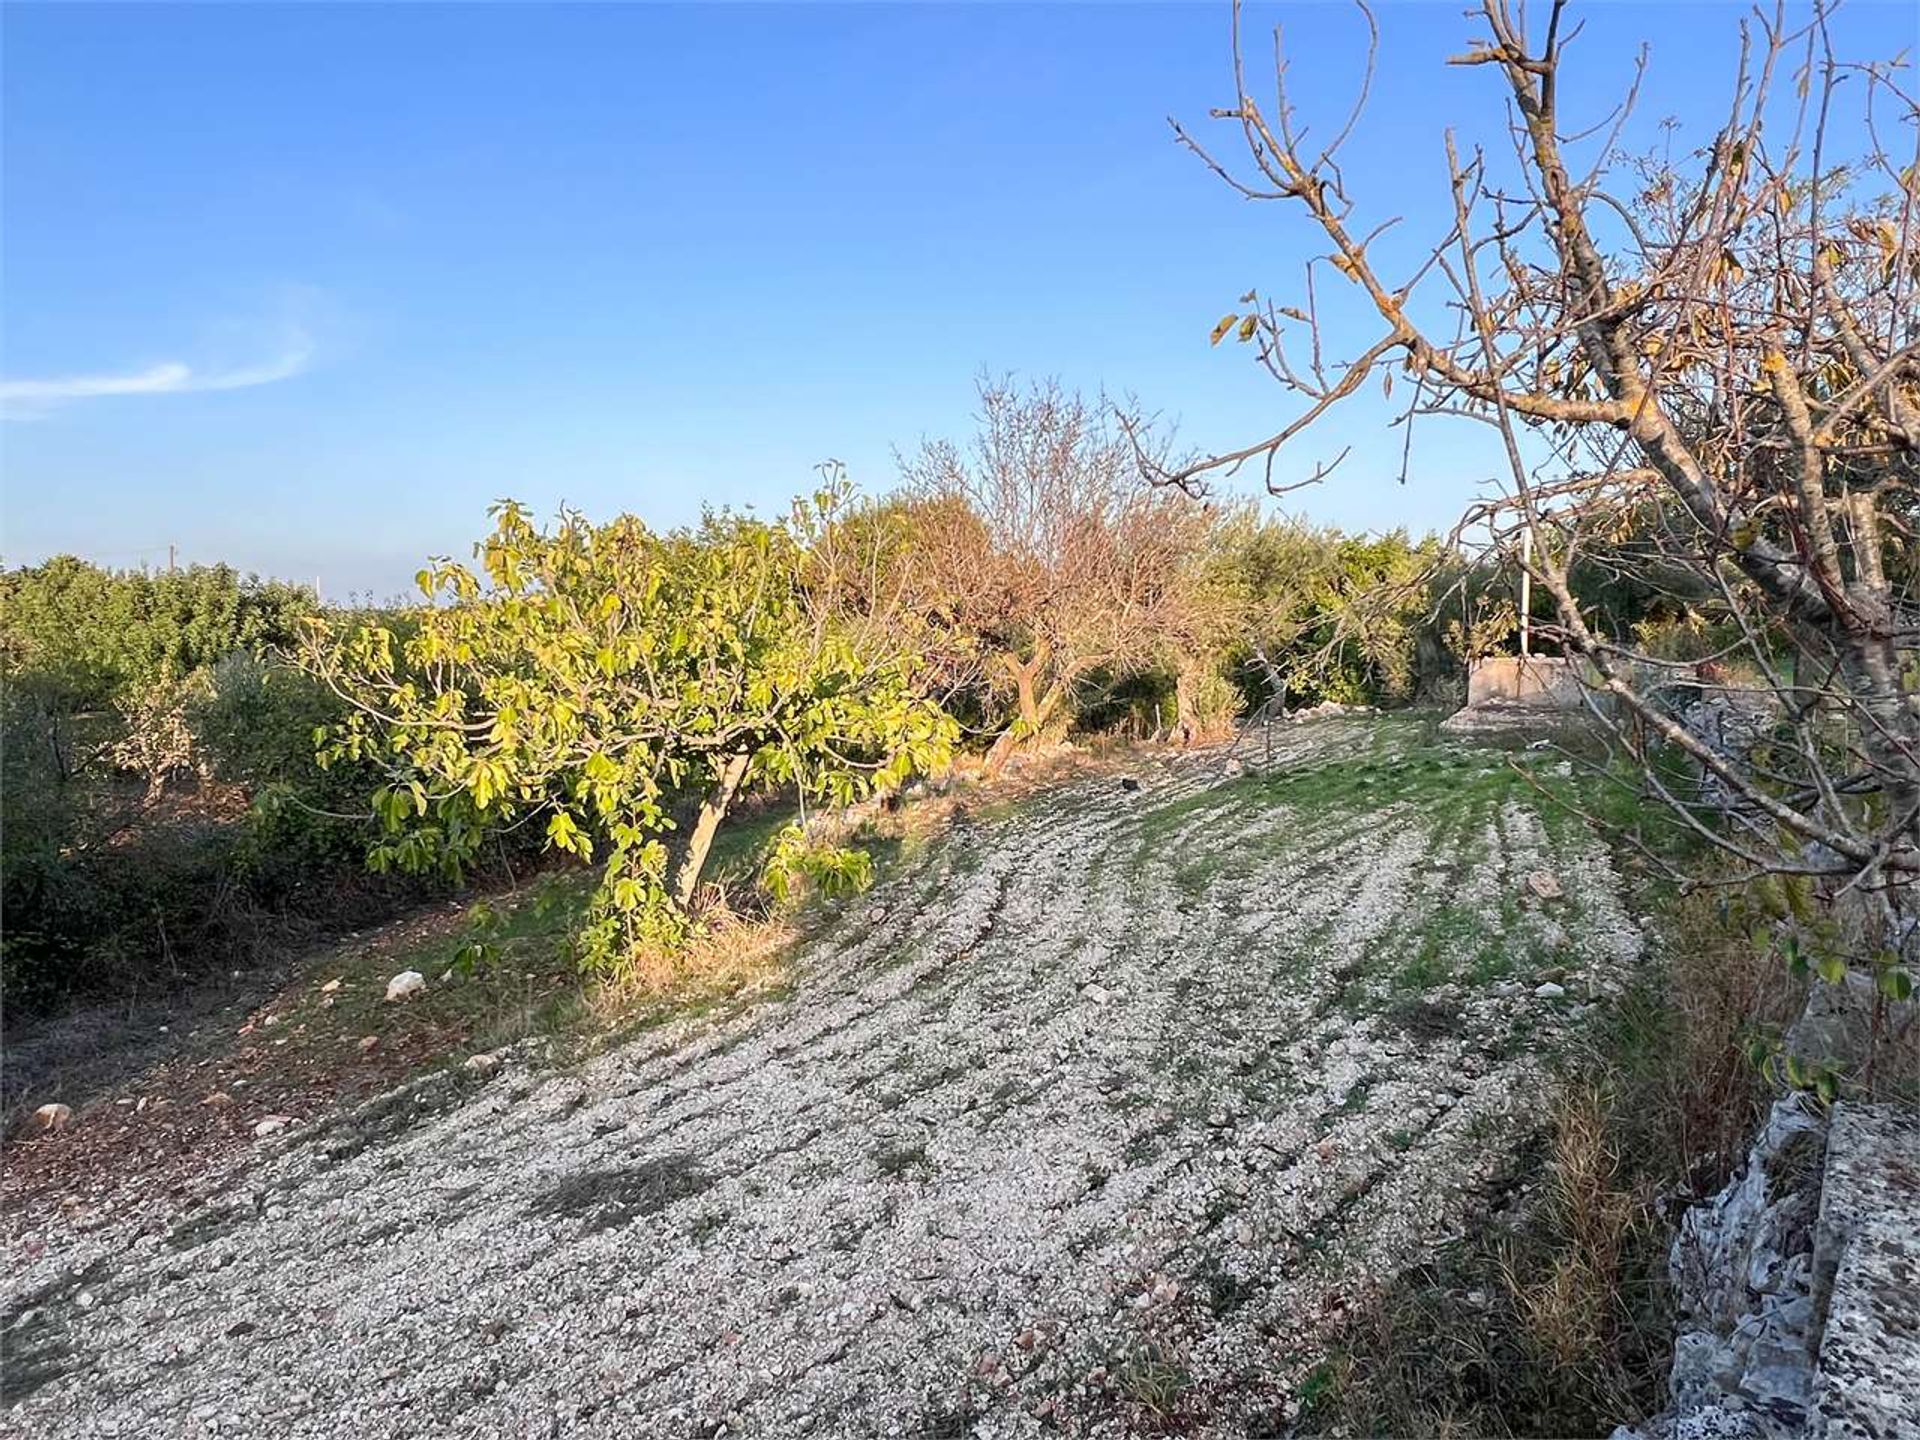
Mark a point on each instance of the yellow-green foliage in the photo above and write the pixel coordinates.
(589, 678)
(797, 863)
(82, 638)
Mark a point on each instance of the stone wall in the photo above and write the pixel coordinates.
(1866, 1277)
(1798, 1286)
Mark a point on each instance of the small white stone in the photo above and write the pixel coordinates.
(406, 983)
(1549, 991)
(271, 1125)
(54, 1117)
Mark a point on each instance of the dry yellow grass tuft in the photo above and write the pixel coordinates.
(1573, 1306)
(731, 957)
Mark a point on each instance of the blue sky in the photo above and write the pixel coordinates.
(307, 287)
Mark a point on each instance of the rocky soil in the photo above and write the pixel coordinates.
(1095, 1119)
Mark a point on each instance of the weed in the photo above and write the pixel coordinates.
(1352, 1103)
(1447, 935)
(1223, 1290)
(1323, 1381)
(1152, 1376)
(1144, 1144)
(946, 1422)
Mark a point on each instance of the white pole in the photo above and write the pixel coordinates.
(1526, 585)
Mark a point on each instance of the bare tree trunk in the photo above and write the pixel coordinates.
(1185, 721)
(712, 811)
(1024, 674)
(1034, 710)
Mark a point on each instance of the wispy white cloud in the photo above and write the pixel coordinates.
(30, 399)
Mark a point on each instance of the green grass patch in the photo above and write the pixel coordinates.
(1448, 933)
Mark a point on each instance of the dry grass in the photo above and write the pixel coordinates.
(732, 957)
(1552, 1322)
(1683, 1044)
(1589, 1300)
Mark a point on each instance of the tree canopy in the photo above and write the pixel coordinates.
(593, 679)
(1049, 557)
(81, 636)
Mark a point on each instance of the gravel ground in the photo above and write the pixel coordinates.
(1093, 1120)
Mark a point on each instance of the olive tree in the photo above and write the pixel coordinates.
(592, 679)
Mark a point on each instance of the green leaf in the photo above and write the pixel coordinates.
(1795, 957)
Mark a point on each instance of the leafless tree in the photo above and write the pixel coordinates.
(1721, 346)
(1047, 556)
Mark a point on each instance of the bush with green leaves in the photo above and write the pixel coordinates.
(798, 864)
(255, 726)
(110, 678)
(1323, 615)
(97, 897)
(84, 637)
(40, 823)
(593, 680)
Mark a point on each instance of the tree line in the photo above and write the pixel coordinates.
(189, 756)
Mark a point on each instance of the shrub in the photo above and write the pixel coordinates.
(111, 886)
(797, 864)
(83, 637)
(41, 825)
(1323, 615)
(256, 725)
(155, 739)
